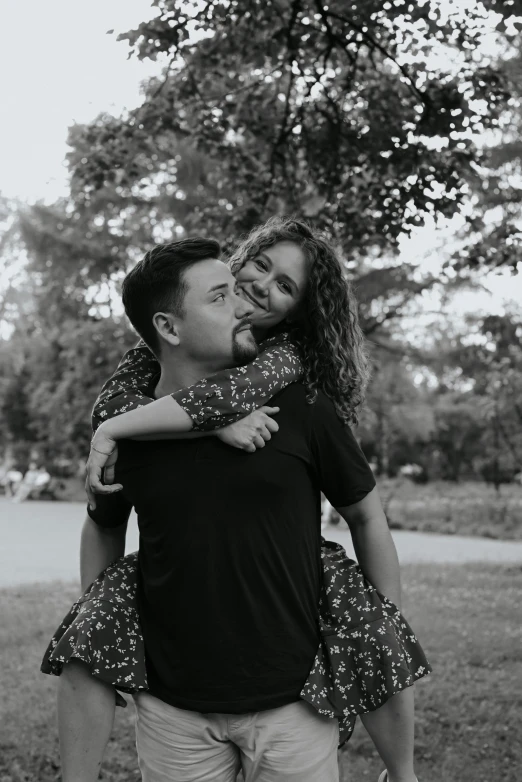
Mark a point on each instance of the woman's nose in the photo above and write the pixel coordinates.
(259, 287)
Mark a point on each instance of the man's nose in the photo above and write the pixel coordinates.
(244, 308)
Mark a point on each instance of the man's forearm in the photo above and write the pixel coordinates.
(99, 547)
(377, 556)
(373, 544)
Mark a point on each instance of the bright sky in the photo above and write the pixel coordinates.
(58, 66)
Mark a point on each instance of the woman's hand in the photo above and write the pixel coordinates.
(102, 458)
(251, 432)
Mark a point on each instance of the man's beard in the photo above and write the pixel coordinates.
(243, 352)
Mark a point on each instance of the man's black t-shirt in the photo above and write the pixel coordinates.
(229, 557)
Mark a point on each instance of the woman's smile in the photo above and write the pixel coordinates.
(250, 297)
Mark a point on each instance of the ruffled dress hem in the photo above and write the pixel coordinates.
(367, 651)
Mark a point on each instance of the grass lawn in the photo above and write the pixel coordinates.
(468, 712)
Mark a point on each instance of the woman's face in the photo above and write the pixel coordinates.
(274, 281)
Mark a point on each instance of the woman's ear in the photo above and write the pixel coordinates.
(167, 327)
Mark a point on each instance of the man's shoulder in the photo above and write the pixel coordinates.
(293, 396)
(136, 454)
(296, 397)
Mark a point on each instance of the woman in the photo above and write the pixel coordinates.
(305, 319)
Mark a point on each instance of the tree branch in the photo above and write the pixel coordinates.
(507, 440)
(296, 4)
(374, 44)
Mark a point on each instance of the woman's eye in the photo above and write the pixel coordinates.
(285, 287)
(261, 264)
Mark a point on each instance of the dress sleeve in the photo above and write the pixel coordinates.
(129, 387)
(226, 396)
(211, 403)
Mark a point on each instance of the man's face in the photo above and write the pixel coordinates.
(215, 328)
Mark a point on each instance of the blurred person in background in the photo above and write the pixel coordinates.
(11, 481)
(33, 483)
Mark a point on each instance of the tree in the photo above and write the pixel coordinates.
(459, 427)
(63, 339)
(329, 111)
(478, 399)
(492, 236)
(340, 113)
(398, 420)
(281, 106)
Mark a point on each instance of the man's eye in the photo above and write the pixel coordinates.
(220, 296)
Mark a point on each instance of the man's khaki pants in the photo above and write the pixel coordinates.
(293, 742)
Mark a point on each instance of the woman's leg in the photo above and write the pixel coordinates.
(391, 729)
(85, 719)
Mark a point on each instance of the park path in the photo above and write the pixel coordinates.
(40, 541)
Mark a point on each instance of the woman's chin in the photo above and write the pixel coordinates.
(262, 330)
(259, 320)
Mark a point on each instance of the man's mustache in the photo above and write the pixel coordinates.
(246, 323)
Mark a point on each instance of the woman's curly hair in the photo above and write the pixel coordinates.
(326, 329)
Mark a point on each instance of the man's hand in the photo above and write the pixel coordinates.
(251, 432)
(102, 458)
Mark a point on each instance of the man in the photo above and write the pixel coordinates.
(229, 560)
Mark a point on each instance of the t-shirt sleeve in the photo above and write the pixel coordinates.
(112, 510)
(344, 475)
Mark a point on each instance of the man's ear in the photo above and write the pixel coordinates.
(166, 325)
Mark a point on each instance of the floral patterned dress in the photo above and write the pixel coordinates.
(367, 651)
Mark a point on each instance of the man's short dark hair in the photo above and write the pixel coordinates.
(156, 283)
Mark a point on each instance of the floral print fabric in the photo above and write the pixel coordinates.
(213, 402)
(367, 651)
(102, 629)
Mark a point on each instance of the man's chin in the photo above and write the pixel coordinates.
(244, 348)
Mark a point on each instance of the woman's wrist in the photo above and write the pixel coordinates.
(105, 431)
